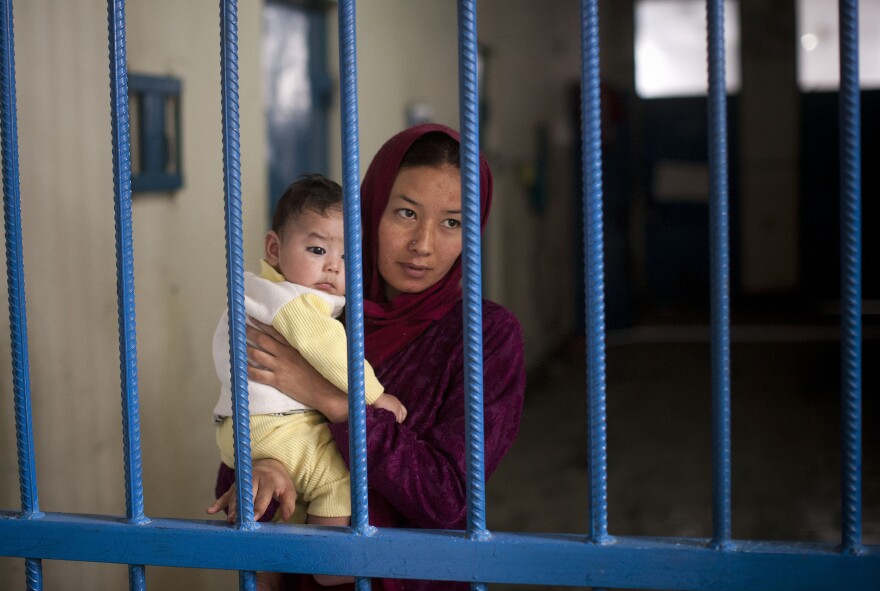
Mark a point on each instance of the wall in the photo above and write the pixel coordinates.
(769, 148)
(67, 202)
(532, 236)
(407, 54)
(534, 241)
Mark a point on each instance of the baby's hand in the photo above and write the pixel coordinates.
(390, 402)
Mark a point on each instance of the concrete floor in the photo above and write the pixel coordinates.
(785, 438)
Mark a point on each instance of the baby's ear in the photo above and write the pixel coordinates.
(273, 248)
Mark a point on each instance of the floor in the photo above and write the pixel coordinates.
(785, 438)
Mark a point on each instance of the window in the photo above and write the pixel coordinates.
(818, 49)
(154, 112)
(671, 47)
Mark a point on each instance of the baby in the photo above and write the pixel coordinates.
(300, 292)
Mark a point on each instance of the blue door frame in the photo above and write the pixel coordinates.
(595, 558)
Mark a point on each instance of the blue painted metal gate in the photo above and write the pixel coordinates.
(477, 555)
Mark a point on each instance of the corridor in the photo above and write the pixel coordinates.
(785, 437)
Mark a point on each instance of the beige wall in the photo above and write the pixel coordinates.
(535, 58)
(407, 54)
(67, 203)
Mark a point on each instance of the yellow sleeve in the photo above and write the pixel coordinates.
(307, 325)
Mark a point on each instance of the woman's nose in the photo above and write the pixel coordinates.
(421, 241)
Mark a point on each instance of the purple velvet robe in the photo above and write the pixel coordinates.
(416, 470)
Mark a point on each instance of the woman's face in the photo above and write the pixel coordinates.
(420, 229)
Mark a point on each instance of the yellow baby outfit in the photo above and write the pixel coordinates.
(282, 428)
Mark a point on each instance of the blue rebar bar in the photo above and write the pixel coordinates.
(24, 431)
(719, 275)
(235, 271)
(594, 272)
(473, 299)
(354, 310)
(468, 85)
(850, 278)
(131, 436)
(353, 274)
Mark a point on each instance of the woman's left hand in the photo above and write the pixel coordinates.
(270, 481)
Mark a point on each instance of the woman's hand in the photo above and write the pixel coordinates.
(272, 361)
(270, 481)
(391, 403)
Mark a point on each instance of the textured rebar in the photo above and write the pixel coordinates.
(594, 270)
(473, 300)
(33, 574)
(719, 275)
(27, 473)
(235, 272)
(15, 271)
(354, 310)
(850, 278)
(128, 368)
(125, 260)
(354, 315)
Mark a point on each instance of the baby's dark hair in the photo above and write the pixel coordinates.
(435, 148)
(313, 192)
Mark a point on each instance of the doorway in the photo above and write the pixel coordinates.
(298, 91)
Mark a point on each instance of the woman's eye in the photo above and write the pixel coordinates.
(316, 250)
(452, 223)
(406, 213)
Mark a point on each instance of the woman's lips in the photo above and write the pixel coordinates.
(414, 271)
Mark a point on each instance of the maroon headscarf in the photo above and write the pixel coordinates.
(391, 326)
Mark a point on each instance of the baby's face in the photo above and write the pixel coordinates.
(310, 251)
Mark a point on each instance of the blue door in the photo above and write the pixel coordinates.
(297, 91)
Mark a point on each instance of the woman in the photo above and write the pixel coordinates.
(412, 242)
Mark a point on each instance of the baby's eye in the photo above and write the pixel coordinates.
(406, 213)
(452, 223)
(316, 250)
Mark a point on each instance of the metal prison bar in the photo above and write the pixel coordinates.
(477, 555)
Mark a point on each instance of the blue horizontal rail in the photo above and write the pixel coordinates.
(540, 559)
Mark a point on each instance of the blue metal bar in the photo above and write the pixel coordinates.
(354, 276)
(15, 270)
(473, 299)
(354, 309)
(851, 277)
(594, 270)
(235, 272)
(131, 435)
(720, 276)
(24, 429)
(538, 559)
